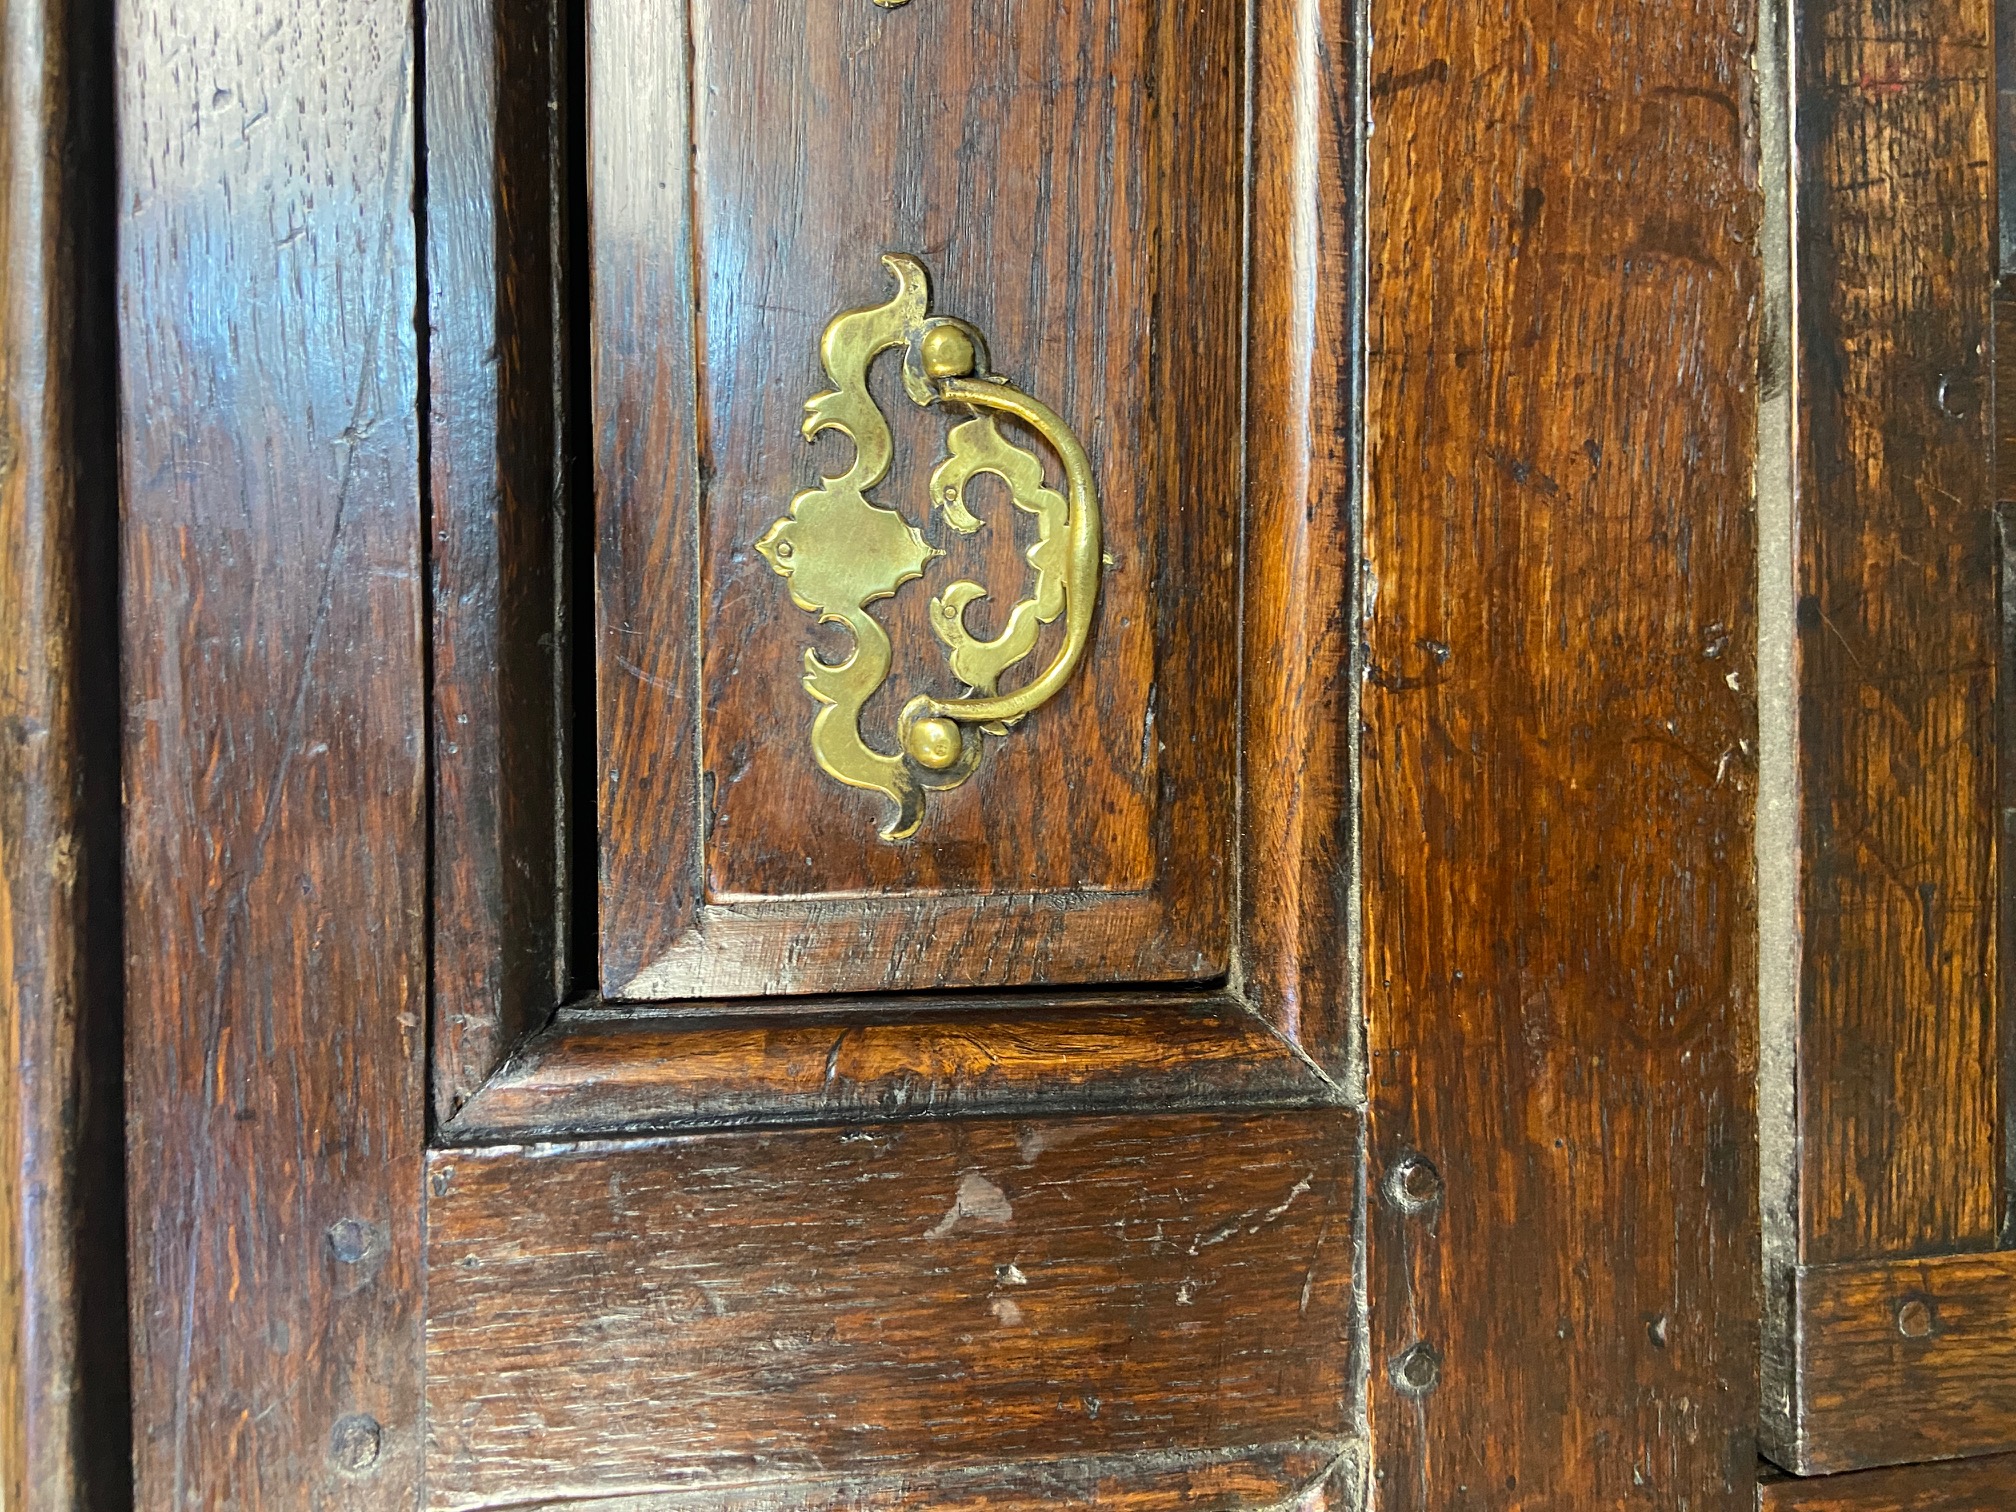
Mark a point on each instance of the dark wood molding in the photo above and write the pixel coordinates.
(64, 1425)
(1558, 742)
(1973, 1485)
(610, 1071)
(495, 104)
(274, 738)
(1154, 1293)
(1901, 1360)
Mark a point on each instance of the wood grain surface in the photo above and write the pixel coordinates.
(64, 1426)
(274, 733)
(2005, 515)
(1978, 1485)
(1904, 1360)
(1902, 638)
(1558, 732)
(1312, 1477)
(1899, 631)
(716, 1310)
(1903, 1049)
(1086, 216)
(597, 1071)
(1298, 920)
(495, 227)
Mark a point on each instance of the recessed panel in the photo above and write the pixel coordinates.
(918, 403)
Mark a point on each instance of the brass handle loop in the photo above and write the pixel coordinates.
(925, 739)
(840, 550)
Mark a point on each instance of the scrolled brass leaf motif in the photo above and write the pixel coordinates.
(840, 551)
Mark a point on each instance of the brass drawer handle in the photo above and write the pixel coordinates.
(840, 551)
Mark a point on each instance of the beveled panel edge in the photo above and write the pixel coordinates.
(1316, 1475)
(497, 496)
(734, 951)
(1298, 929)
(1900, 1361)
(601, 1071)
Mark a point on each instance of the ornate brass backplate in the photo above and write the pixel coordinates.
(840, 551)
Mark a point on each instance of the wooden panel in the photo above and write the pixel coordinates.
(823, 1303)
(602, 1072)
(1086, 216)
(1900, 1144)
(274, 734)
(1903, 1360)
(1982, 1485)
(1558, 728)
(1899, 630)
(64, 1429)
(493, 405)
